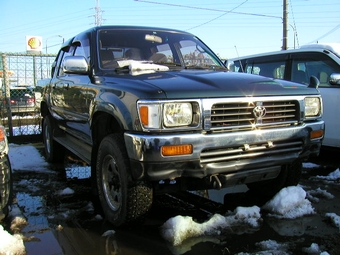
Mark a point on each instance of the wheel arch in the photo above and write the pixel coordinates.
(102, 125)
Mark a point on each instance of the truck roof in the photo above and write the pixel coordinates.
(320, 47)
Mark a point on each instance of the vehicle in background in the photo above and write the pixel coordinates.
(154, 111)
(6, 182)
(298, 65)
(22, 101)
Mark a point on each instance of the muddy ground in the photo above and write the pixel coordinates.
(72, 224)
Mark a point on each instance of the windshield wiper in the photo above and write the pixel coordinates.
(205, 67)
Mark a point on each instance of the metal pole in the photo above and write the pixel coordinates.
(7, 95)
(285, 22)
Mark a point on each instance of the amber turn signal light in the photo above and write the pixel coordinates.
(316, 134)
(174, 150)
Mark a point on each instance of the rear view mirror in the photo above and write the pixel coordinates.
(153, 38)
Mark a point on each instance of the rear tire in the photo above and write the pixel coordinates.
(54, 152)
(123, 202)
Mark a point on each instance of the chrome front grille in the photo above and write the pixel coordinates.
(254, 115)
(247, 151)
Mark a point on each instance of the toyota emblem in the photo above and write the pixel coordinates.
(259, 111)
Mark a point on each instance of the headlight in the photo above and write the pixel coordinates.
(177, 114)
(169, 115)
(312, 106)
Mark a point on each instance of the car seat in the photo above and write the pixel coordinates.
(300, 77)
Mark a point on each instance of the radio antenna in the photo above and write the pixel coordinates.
(241, 66)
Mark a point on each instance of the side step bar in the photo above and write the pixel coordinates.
(83, 151)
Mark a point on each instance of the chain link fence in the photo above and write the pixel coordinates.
(20, 93)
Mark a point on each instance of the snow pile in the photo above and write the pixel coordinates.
(310, 165)
(314, 195)
(177, 229)
(11, 244)
(271, 246)
(289, 203)
(333, 176)
(334, 218)
(65, 192)
(26, 158)
(314, 249)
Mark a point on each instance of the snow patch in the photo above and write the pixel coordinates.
(177, 229)
(333, 176)
(334, 218)
(26, 158)
(11, 244)
(289, 203)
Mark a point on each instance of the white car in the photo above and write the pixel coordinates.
(298, 65)
(6, 182)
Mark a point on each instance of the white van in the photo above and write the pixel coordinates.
(298, 65)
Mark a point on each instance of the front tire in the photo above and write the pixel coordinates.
(122, 200)
(54, 152)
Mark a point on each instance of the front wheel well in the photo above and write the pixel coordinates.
(103, 124)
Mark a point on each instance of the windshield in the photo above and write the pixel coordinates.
(118, 48)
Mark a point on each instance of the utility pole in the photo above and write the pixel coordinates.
(98, 15)
(285, 25)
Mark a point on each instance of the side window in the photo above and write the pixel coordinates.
(266, 67)
(304, 65)
(83, 49)
(238, 66)
(66, 53)
(56, 63)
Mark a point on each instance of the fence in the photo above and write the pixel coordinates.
(20, 93)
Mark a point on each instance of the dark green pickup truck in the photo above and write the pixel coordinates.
(154, 110)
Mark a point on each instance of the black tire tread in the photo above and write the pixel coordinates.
(57, 151)
(138, 196)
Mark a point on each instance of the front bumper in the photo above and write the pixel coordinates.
(248, 152)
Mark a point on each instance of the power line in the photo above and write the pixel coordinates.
(328, 33)
(218, 16)
(209, 9)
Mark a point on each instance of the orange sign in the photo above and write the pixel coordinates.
(9, 73)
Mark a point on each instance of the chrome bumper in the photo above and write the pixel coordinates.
(221, 152)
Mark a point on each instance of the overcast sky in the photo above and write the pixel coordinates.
(230, 28)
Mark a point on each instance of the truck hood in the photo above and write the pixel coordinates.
(214, 84)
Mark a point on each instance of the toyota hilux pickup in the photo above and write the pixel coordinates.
(154, 111)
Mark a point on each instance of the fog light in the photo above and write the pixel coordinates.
(173, 150)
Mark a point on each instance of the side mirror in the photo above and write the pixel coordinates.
(334, 79)
(75, 65)
(230, 65)
(314, 82)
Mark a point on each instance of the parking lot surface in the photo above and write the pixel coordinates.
(62, 217)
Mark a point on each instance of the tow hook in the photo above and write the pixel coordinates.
(216, 182)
